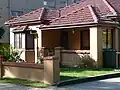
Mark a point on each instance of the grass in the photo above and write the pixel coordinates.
(71, 73)
(23, 82)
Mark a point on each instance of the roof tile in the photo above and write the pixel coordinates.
(115, 4)
(34, 15)
(80, 16)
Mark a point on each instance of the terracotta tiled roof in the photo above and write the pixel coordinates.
(51, 14)
(34, 15)
(100, 7)
(115, 4)
(82, 15)
(74, 13)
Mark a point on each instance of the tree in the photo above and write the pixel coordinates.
(2, 31)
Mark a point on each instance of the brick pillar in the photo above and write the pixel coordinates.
(1, 69)
(51, 70)
(58, 54)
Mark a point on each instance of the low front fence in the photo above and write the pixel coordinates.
(47, 72)
(23, 71)
(72, 57)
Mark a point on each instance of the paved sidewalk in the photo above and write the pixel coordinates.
(108, 84)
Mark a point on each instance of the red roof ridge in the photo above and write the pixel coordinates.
(110, 7)
(93, 13)
(71, 13)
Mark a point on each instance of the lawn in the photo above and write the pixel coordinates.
(71, 73)
(23, 82)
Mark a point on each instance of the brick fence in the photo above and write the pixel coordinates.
(49, 72)
(69, 58)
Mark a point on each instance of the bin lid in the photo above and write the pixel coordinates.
(108, 49)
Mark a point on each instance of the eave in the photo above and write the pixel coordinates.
(14, 24)
(78, 25)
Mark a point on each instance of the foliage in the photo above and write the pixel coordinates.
(40, 59)
(2, 31)
(86, 62)
(9, 53)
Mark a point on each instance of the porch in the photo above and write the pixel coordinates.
(74, 42)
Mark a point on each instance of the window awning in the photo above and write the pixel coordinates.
(20, 28)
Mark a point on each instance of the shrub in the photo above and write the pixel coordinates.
(9, 53)
(40, 59)
(86, 62)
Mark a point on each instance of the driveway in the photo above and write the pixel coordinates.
(107, 84)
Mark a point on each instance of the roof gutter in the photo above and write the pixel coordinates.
(79, 25)
(23, 23)
(114, 17)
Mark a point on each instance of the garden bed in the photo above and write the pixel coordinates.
(72, 73)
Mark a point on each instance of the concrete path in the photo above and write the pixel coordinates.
(108, 84)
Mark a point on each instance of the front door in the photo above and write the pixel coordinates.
(30, 52)
(64, 39)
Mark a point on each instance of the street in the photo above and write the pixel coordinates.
(107, 84)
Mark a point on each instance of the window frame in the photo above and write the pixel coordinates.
(27, 35)
(20, 46)
(107, 39)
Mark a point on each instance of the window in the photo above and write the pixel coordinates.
(49, 3)
(45, 3)
(29, 41)
(63, 2)
(75, 1)
(107, 38)
(18, 40)
(85, 40)
(16, 13)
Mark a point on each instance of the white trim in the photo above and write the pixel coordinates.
(93, 13)
(42, 11)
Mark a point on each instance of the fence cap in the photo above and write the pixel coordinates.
(43, 48)
(58, 48)
(51, 58)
